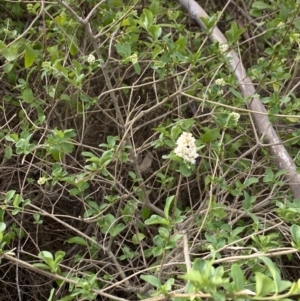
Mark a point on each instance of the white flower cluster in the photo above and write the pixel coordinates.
(133, 58)
(220, 82)
(232, 120)
(223, 47)
(186, 147)
(42, 181)
(91, 59)
(235, 116)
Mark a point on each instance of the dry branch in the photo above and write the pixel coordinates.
(262, 123)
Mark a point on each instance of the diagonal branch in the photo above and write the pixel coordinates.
(261, 121)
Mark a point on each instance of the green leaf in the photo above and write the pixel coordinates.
(45, 255)
(2, 226)
(284, 285)
(295, 231)
(155, 31)
(9, 195)
(280, 173)
(11, 53)
(236, 93)
(163, 232)
(36, 216)
(155, 7)
(145, 213)
(27, 95)
(248, 200)
(116, 229)
(88, 154)
(73, 46)
(237, 277)
(152, 280)
(185, 170)
(137, 68)
(124, 49)
(250, 181)
(147, 18)
(51, 295)
(210, 135)
(30, 56)
(269, 177)
(264, 285)
(234, 33)
(274, 272)
(41, 266)
(59, 255)
(261, 5)
(295, 288)
(137, 238)
(12, 138)
(8, 152)
(155, 219)
(192, 275)
(167, 206)
(77, 240)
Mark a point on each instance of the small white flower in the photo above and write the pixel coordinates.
(133, 58)
(220, 82)
(220, 92)
(186, 147)
(223, 47)
(91, 59)
(235, 116)
(42, 181)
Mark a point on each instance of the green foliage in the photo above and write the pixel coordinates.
(51, 263)
(90, 91)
